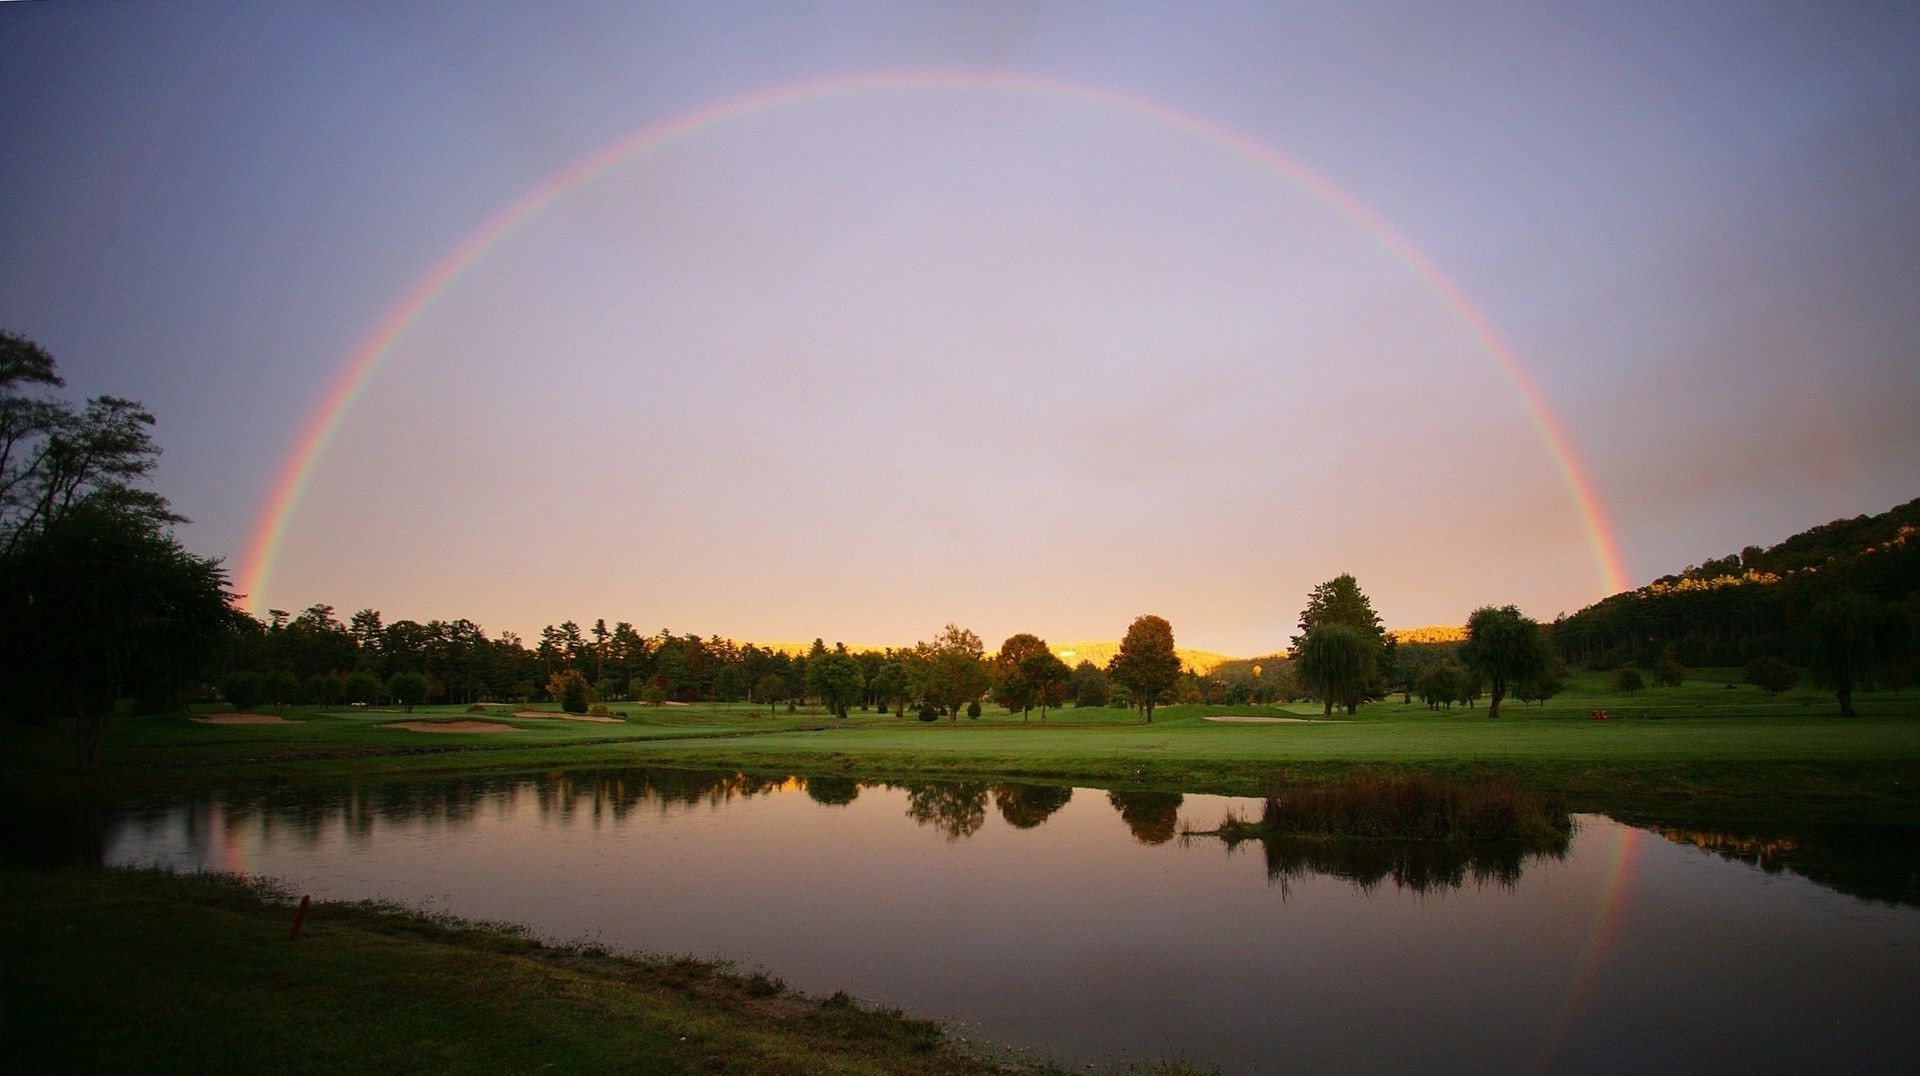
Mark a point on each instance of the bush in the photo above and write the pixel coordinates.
(929, 713)
(408, 689)
(242, 689)
(1626, 682)
(599, 709)
(476, 708)
(1770, 675)
(973, 710)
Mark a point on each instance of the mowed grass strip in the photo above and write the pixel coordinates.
(115, 971)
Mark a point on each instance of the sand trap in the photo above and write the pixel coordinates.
(450, 726)
(566, 717)
(1249, 719)
(244, 719)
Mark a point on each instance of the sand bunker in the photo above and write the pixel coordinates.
(450, 726)
(244, 719)
(1249, 719)
(566, 717)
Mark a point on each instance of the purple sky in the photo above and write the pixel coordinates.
(861, 367)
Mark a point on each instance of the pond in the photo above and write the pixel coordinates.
(1083, 925)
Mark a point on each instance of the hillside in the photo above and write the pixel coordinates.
(1200, 661)
(1729, 609)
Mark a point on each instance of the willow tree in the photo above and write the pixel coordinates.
(1341, 601)
(1338, 663)
(1504, 647)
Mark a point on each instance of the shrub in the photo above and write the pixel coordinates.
(928, 712)
(408, 689)
(242, 689)
(1626, 682)
(599, 709)
(973, 710)
(1769, 674)
(476, 708)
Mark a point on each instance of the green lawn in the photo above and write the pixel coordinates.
(1697, 751)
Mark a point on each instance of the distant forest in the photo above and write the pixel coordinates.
(1761, 603)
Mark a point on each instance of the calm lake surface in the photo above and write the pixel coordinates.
(1081, 925)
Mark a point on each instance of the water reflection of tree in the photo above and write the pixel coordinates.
(1026, 806)
(955, 808)
(1154, 817)
(832, 791)
(1420, 866)
(1870, 862)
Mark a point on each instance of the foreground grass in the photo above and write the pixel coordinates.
(115, 971)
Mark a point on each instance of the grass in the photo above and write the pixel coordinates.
(1700, 752)
(113, 971)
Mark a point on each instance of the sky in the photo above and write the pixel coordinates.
(1023, 316)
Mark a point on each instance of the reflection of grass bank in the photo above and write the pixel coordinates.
(1420, 832)
(201, 968)
(1374, 805)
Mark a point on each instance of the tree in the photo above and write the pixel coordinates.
(1336, 662)
(835, 677)
(1012, 687)
(1544, 684)
(98, 604)
(241, 689)
(1668, 672)
(889, 687)
(54, 459)
(1854, 639)
(1771, 675)
(570, 687)
(1341, 601)
(362, 687)
(951, 670)
(770, 689)
(1089, 685)
(1050, 677)
(1626, 682)
(1441, 683)
(1505, 648)
(728, 683)
(409, 689)
(1146, 664)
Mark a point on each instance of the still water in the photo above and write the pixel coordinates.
(1080, 924)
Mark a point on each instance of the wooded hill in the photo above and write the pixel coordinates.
(1753, 603)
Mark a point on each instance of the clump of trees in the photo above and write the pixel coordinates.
(101, 609)
(1026, 673)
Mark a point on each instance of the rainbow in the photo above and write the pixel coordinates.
(311, 443)
(1601, 935)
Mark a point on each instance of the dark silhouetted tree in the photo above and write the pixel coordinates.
(1771, 675)
(1504, 648)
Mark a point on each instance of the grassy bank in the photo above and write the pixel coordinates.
(1701, 752)
(113, 971)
